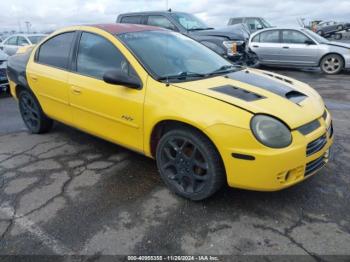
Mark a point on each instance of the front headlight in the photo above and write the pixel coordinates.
(231, 47)
(270, 131)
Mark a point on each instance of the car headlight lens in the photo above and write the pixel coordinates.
(231, 47)
(270, 131)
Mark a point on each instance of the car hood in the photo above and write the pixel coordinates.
(339, 44)
(257, 91)
(231, 32)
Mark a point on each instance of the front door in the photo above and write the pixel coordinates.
(114, 112)
(298, 49)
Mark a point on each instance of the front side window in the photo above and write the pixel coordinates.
(293, 37)
(97, 55)
(165, 53)
(55, 51)
(161, 21)
(189, 22)
(271, 36)
(253, 24)
(135, 19)
(21, 41)
(234, 21)
(12, 41)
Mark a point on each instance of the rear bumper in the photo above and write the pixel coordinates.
(276, 169)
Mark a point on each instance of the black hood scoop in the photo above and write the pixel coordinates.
(268, 83)
(237, 93)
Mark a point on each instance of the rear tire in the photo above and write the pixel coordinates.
(189, 164)
(32, 114)
(332, 64)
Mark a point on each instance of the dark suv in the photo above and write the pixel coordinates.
(228, 41)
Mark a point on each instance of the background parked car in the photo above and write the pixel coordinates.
(299, 47)
(12, 43)
(329, 27)
(227, 41)
(254, 23)
(3, 76)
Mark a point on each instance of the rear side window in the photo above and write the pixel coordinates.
(55, 52)
(270, 36)
(96, 56)
(135, 19)
(161, 21)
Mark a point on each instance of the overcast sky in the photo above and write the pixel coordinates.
(52, 14)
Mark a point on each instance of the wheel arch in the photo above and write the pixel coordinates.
(164, 126)
(331, 53)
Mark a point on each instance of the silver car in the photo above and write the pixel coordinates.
(3, 76)
(13, 42)
(299, 47)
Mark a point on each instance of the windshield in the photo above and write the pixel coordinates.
(189, 22)
(315, 36)
(167, 54)
(265, 23)
(35, 38)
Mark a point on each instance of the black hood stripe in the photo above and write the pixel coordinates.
(267, 83)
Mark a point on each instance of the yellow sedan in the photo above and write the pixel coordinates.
(205, 121)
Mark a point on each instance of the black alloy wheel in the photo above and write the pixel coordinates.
(189, 164)
(33, 116)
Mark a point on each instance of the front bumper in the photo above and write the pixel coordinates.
(275, 169)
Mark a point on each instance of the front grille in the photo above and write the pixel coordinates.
(316, 145)
(315, 165)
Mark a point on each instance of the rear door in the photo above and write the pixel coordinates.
(298, 49)
(267, 46)
(47, 75)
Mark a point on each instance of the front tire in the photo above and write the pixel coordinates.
(189, 164)
(332, 64)
(32, 114)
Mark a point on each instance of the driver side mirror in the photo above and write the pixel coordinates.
(309, 42)
(259, 27)
(117, 77)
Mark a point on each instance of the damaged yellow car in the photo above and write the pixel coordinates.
(205, 121)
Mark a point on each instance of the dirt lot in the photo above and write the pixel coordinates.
(70, 193)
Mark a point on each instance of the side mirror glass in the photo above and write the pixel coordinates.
(117, 77)
(309, 42)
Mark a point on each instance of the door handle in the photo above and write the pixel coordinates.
(286, 47)
(76, 90)
(256, 46)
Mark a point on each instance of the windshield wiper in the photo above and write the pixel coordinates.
(182, 75)
(200, 28)
(225, 69)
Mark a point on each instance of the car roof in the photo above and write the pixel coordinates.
(151, 13)
(277, 28)
(117, 28)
